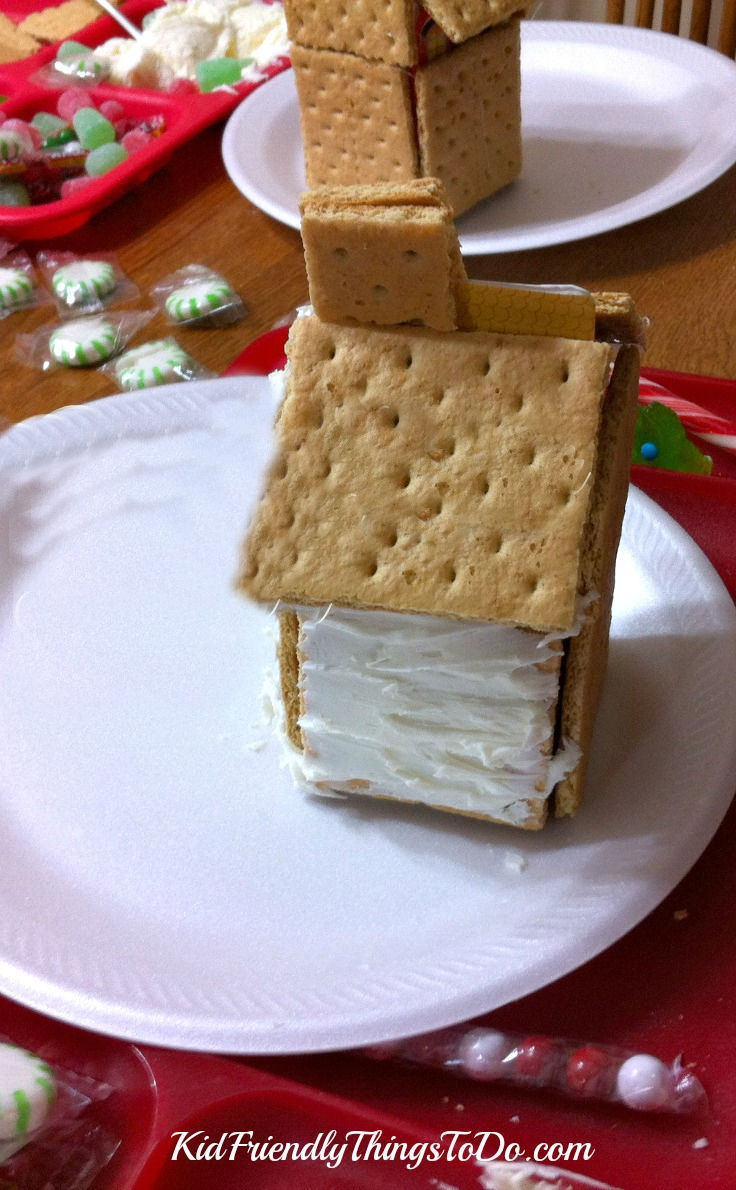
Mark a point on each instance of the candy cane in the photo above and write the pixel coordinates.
(708, 426)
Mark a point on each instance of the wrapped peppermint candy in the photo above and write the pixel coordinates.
(198, 296)
(84, 342)
(28, 1094)
(18, 286)
(85, 284)
(48, 1135)
(161, 361)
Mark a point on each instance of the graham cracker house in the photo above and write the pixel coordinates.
(390, 90)
(439, 524)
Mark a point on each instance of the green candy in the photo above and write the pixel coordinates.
(662, 435)
(64, 137)
(101, 160)
(79, 61)
(48, 124)
(92, 128)
(54, 131)
(70, 49)
(220, 72)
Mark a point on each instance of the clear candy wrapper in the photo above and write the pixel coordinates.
(85, 284)
(19, 288)
(161, 361)
(580, 1070)
(75, 65)
(198, 296)
(49, 1137)
(85, 342)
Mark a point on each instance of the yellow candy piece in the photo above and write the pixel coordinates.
(486, 306)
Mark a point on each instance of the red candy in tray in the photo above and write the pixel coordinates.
(149, 125)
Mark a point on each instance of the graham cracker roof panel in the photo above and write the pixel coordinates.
(382, 30)
(423, 472)
(462, 19)
(387, 30)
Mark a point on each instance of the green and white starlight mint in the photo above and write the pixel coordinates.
(16, 288)
(159, 362)
(83, 342)
(83, 282)
(27, 1094)
(199, 299)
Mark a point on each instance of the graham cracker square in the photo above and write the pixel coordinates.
(426, 472)
(587, 652)
(383, 254)
(463, 19)
(14, 43)
(61, 20)
(356, 119)
(469, 116)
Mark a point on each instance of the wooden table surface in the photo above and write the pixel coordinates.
(680, 265)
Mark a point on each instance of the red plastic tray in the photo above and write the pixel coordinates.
(185, 116)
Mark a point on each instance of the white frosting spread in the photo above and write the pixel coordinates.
(182, 33)
(423, 709)
(531, 1176)
(526, 1175)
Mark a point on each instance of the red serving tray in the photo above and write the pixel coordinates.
(185, 116)
(665, 988)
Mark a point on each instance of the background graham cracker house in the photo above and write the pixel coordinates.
(389, 91)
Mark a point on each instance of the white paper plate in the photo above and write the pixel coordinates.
(160, 877)
(618, 123)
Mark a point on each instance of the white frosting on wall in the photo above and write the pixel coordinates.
(419, 708)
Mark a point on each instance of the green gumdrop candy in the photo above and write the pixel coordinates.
(104, 158)
(70, 49)
(48, 124)
(54, 130)
(220, 72)
(14, 194)
(92, 128)
(661, 432)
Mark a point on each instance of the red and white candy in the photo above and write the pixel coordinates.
(708, 426)
(580, 1070)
